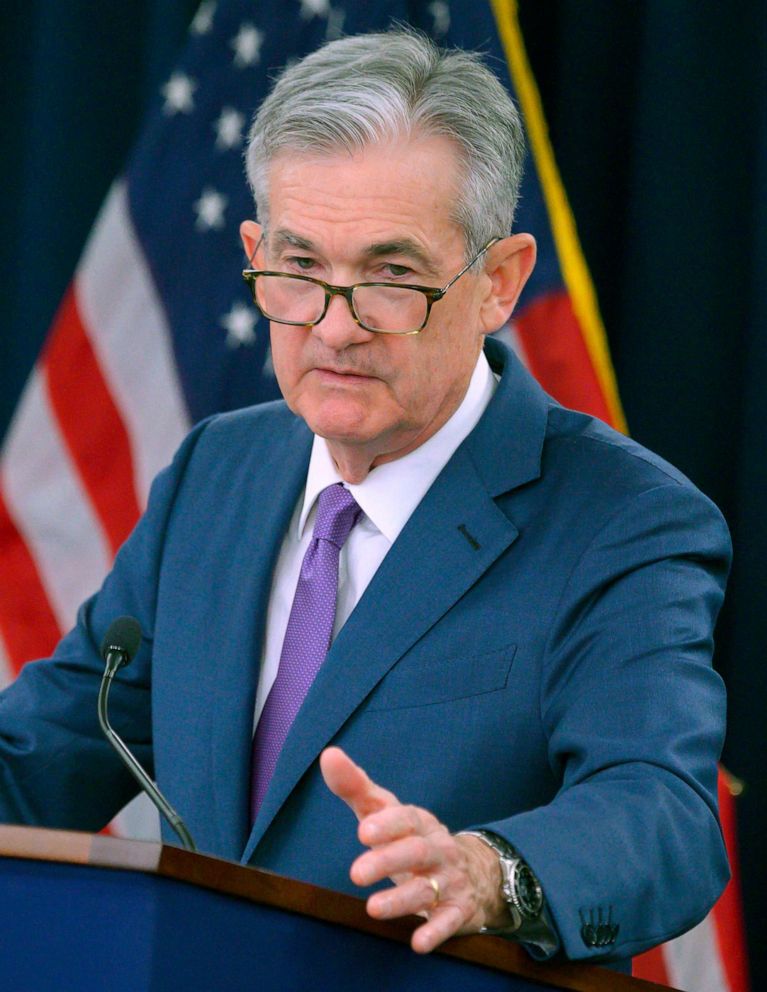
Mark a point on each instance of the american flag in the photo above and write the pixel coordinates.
(157, 329)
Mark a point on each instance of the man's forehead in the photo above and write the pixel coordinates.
(377, 175)
(379, 200)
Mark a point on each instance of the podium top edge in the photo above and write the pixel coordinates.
(292, 895)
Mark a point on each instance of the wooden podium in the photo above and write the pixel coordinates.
(82, 912)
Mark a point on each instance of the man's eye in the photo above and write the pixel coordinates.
(392, 269)
(300, 262)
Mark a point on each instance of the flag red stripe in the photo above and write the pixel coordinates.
(728, 912)
(29, 626)
(553, 342)
(90, 423)
(651, 966)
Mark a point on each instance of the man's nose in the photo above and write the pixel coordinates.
(338, 328)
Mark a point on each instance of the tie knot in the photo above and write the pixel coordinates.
(337, 513)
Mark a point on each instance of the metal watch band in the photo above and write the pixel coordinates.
(520, 887)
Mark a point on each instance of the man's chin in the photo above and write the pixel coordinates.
(341, 422)
(339, 433)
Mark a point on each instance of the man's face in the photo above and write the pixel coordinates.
(382, 215)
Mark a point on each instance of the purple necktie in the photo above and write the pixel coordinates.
(308, 634)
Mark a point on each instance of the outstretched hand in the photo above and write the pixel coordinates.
(452, 880)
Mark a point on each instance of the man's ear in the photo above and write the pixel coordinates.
(250, 233)
(508, 265)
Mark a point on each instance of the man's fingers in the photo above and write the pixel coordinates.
(351, 783)
(444, 922)
(436, 874)
(395, 821)
(416, 895)
(408, 855)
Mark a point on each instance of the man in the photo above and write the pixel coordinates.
(521, 601)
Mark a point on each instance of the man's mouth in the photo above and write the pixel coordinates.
(348, 376)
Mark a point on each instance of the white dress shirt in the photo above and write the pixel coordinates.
(388, 496)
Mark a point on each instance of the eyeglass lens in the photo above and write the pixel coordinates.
(381, 308)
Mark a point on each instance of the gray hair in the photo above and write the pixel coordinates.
(371, 88)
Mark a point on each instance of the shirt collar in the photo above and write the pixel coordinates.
(408, 477)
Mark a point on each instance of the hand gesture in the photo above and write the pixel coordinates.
(452, 880)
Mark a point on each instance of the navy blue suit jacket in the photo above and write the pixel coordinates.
(533, 655)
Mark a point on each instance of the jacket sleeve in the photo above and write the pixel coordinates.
(56, 767)
(630, 852)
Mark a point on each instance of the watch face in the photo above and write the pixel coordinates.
(528, 891)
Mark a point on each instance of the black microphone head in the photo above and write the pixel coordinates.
(123, 635)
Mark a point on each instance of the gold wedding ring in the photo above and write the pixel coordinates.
(435, 885)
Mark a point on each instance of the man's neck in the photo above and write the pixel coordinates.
(355, 462)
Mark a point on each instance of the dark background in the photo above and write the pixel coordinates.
(658, 117)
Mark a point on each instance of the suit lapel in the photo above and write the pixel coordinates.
(278, 474)
(453, 537)
(455, 534)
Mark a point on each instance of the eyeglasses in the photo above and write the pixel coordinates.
(382, 307)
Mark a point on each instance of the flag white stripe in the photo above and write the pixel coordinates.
(126, 324)
(50, 507)
(139, 820)
(6, 670)
(510, 336)
(693, 960)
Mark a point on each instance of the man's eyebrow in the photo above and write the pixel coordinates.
(287, 239)
(406, 247)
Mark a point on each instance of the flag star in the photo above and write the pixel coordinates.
(179, 94)
(335, 26)
(247, 46)
(314, 8)
(239, 325)
(440, 11)
(228, 128)
(210, 210)
(203, 19)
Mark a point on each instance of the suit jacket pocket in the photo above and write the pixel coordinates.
(421, 679)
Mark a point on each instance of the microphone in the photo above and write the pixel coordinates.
(119, 647)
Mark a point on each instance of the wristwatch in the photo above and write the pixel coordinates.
(519, 884)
